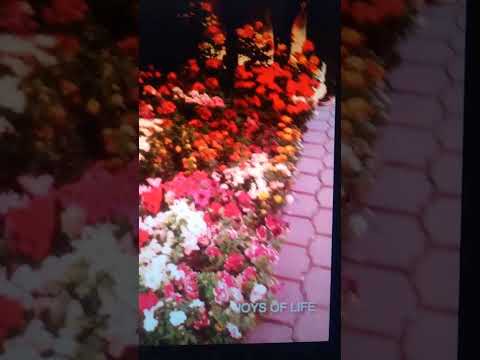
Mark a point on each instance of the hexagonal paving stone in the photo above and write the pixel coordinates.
(425, 51)
(323, 222)
(313, 151)
(453, 100)
(330, 146)
(419, 79)
(386, 301)
(443, 221)
(402, 189)
(325, 197)
(327, 176)
(317, 286)
(432, 336)
(270, 333)
(315, 137)
(370, 347)
(450, 134)
(308, 166)
(331, 133)
(301, 230)
(457, 42)
(317, 125)
(293, 263)
(321, 251)
(312, 327)
(437, 278)
(289, 293)
(406, 107)
(303, 205)
(391, 240)
(456, 68)
(308, 183)
(447, 173)
(393, 146)
(329, 161)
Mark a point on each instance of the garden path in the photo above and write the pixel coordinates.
(411, 250)
(305, 258)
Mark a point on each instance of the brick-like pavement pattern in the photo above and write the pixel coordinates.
(411, 251)
(304, 269)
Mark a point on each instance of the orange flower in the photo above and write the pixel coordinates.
(308, 47)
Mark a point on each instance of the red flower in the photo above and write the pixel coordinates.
(204, 113)
(234, 262)
(231, 210)
(143, 238)
(308, 47)
(12, 317)
(30, 230)
(198, 86)
(166, 108)
(152, 200)
(230, 114)
(61, 12)
(216, 208)
(213, 64)
(147, 300)
(212, 83)
(129, 46)
(17, 17)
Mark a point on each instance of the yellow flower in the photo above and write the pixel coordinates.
(93, 106)
(263, 196)
(278, 199)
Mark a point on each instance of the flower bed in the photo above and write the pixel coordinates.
(370, 33)
(217, 170)
(68, 130)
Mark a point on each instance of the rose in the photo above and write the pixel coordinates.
(234, 262)
(13, 317)
(147, 300)
(30, 230)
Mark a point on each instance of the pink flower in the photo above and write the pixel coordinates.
(245, 200)
(221, 293)
(231, 210)
(274, 224)
(213, 251)
(262, 233)
(249, 274)
(147, 300)
(234, 262)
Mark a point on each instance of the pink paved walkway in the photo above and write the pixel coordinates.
(411, 251)
(305, 258)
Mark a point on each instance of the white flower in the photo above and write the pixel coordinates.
(12, 200)
(154, 274)
(258, 293)
(12, 97)
(236, 294)
(149, 323)
(38, 186)
(72, 221)
(5, 126)
(234, 331)
(177, 318)
(197, 303)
